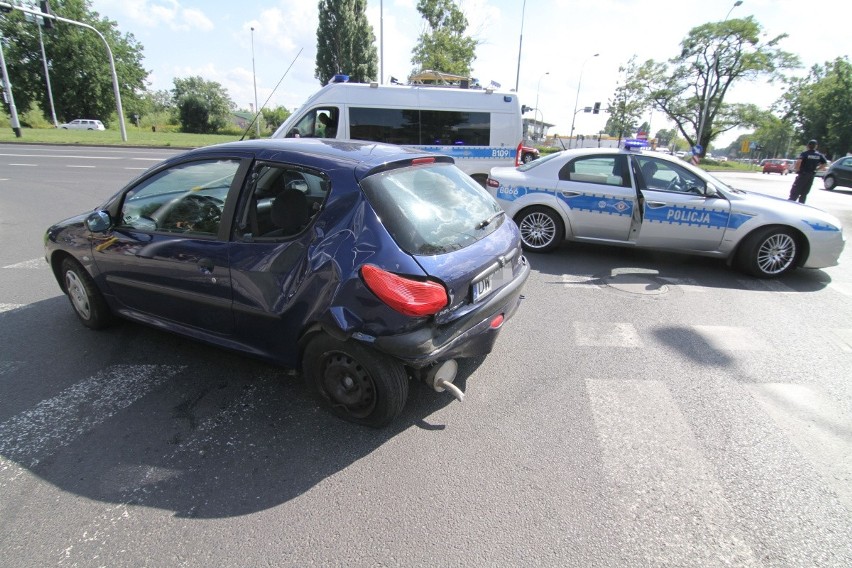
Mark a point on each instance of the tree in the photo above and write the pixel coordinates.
(442, 45)
(820, 105)
(626, 105)
(345, 42)
(691, 88)
(203, 106)
(274, 117)
(78, 63)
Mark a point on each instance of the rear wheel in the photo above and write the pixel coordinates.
(541, 229)
(829, 182)
(354, 382)
(86, 299)
(769, 253)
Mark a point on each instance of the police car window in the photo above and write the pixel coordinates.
(598, 169)
(666, 176)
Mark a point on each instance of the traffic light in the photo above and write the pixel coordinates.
(45, 9)
(597, 108)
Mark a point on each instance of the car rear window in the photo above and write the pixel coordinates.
(432, 209)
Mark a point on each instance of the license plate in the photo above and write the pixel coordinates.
(490, 282)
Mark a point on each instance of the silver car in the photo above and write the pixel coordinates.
(637, 199)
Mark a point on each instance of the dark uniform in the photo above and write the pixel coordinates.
(808, 162)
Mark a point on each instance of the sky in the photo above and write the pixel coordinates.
(545, 47)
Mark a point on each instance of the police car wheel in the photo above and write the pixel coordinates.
(541, 229)
(769, 253)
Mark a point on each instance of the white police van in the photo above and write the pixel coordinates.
(480, 127)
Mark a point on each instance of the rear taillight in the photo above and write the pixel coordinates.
(519, 154)
(410, 297)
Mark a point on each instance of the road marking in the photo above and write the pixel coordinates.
(659, 475)
(816, 426)
(54, 423)
(685, 284)
(34, 263)
(70, 166)
(601, 334)
(842, 338)
(135, 168)
(28, 165)
(727, 338)
(11, 307)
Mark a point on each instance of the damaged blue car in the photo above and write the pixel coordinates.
(361, 265)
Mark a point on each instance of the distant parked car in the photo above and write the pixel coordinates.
(528, 154)
(83, 124)
(839, 173)
(776, 167)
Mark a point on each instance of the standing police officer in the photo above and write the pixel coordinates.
(806, 167)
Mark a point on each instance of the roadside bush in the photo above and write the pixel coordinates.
(34, 118)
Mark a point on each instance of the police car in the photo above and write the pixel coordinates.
(642, 199)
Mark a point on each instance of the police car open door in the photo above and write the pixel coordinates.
(676, 212)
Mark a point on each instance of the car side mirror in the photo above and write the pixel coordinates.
(98, 222)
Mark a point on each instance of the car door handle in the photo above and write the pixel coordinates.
(571, 193)
(655, 204)
(205, 265)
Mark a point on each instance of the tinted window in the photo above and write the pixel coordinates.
(432, 209)
(188, 198)
(426, 127)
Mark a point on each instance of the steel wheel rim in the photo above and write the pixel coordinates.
(78, 295)
(538, 230)
(776, 254)
(347, 385)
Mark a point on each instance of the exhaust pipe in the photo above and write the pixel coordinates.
(441, 377)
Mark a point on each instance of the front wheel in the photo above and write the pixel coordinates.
(541, 229)
(354, 382)
(86, 299)
(829, 182)
(769, 253)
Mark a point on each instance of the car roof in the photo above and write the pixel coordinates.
(364, 157)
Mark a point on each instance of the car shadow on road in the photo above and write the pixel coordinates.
(600, 265)
(221, 435)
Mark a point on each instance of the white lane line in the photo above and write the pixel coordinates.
(34, 263)
(609, 334)
(816, 426)
(726, 338)
(54, 423)
(660, 477)
(27, 165)
(135, 168)
(70, 166)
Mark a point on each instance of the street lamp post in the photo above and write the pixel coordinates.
(577, 100)
(520, 46)
(538, 88)
(254, 79)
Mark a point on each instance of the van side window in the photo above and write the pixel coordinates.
(427, 127)
(318, 123)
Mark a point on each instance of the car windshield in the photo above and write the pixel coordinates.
(432, 209)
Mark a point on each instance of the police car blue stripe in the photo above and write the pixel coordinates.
(599, 204)
(737, 219)
(690, 216)
(511, 193)
(477, 152)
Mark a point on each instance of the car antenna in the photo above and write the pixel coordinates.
(270, 95)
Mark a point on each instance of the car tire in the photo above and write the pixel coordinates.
(355, 383)
(829, 182)
(527, 158)
(85, 298)
(769, 252)
(541, 228)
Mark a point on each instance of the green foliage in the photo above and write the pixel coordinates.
(34, 117)
(691, 87)
(274, 117)
(627, 103)
(345, 42)
(202, 106)
(78, 63)
(443, 46)
(820, 106)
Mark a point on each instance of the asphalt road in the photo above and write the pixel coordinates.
(641, 409)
